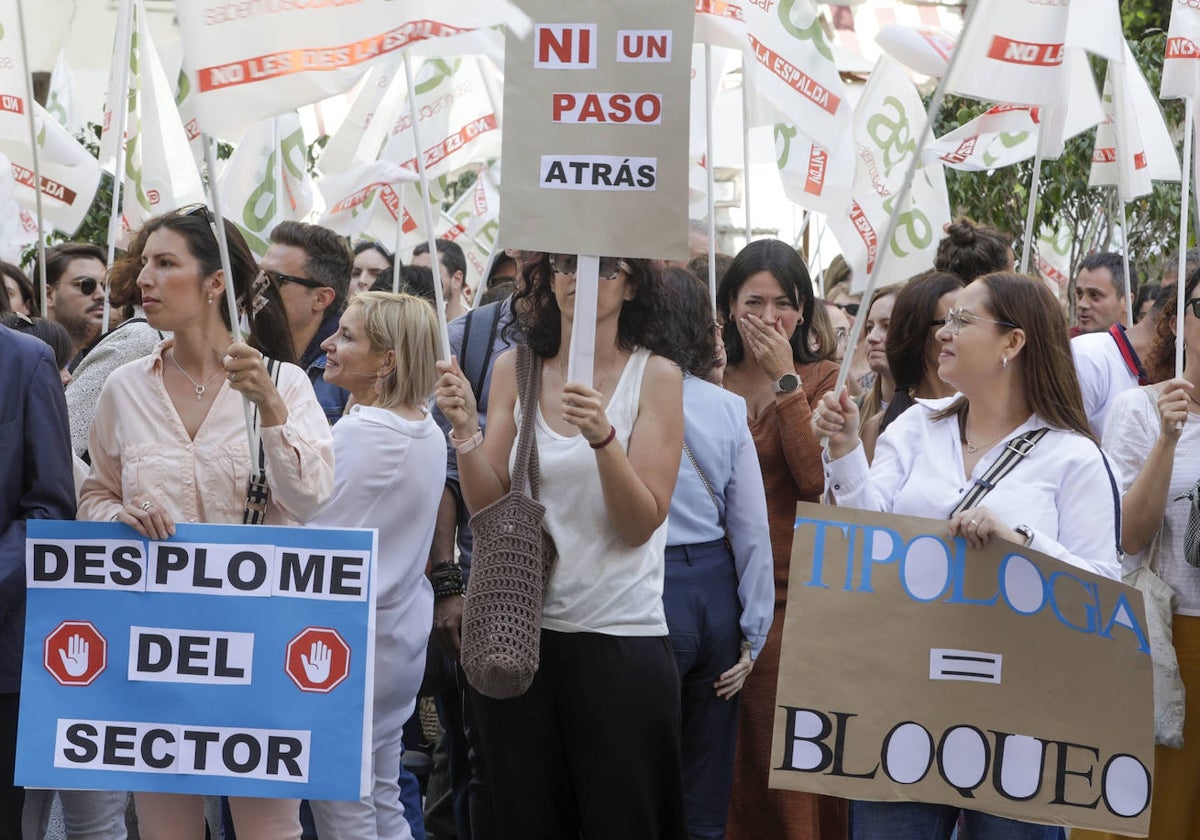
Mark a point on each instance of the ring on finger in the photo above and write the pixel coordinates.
(147, 505)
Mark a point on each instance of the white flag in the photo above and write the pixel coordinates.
(720, 23)
(279, 56)
(266, 180)
(60, 99)
(794, 78)
(367, 201)
(1181, 65)
(814, 177)
(888, 120)
(1133, 145)
(459, 124)
(922, 48)
(1052, 258)
(160, 170)
(18, 227)
(474, 223)
(1095, 26)
(1012, 52)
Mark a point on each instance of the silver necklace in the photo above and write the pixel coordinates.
(200, 387)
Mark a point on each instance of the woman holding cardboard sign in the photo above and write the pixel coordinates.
(1005, 348)
(169, 441)
(592, 746)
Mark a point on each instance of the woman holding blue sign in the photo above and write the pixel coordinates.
(169, 442)
(391, 468)
(1005, 348)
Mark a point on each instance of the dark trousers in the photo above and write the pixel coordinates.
(592, 749)
(704, 617)
(12, 798)
(473, 816)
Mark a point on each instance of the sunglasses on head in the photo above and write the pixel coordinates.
(850, 309)
(610, 267)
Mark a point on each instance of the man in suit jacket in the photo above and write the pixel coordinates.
(35, 483)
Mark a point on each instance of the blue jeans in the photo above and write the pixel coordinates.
(926, 821)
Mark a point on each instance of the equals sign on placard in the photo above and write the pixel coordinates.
(968, 665)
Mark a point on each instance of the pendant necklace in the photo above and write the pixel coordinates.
(200, 387)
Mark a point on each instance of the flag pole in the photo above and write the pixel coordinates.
(1035, 182)
(427, 209)
(1185, 186)
(746, 146)
(120, 112)
(710, 177)
(231, 295)
(885, 244)
(37, 167)
(1129, 290)
(403, 191)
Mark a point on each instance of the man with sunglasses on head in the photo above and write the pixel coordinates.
(311, 266)
(76, 274)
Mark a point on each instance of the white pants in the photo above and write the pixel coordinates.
(87, 814)
(377, 816)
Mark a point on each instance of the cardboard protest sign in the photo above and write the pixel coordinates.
(229, 659)
(596, 154)
(999, 680)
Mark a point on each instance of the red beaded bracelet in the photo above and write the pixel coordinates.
(612, 433)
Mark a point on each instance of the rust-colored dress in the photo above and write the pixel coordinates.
(790, 456)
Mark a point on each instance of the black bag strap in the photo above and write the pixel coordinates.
(1014, 452)
(477, 346)
(257, 491)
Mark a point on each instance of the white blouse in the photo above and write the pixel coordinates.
(1064, 490)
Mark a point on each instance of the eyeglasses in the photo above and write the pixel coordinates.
(850, 309)
(957, 317)
(202, 211)
(610, 267)
(1195, 304)
(279, 279)
(87, 285)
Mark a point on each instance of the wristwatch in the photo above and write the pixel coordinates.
(786, 384)
(1026, 534)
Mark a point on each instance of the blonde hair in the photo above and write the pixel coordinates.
(408, 326)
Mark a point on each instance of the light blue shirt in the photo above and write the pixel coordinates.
(715, 430)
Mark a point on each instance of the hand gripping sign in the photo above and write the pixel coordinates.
(228, 660)
(999, 680)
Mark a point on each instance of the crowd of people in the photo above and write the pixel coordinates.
(669, 483)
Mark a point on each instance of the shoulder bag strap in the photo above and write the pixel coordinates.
(1014, 452)
(529, 386)
(687, 450)
(1129, 354)
(477, 346)
(257, 491)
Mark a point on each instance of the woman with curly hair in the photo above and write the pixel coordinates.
(592, 747)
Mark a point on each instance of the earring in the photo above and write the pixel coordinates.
(1004, 362)
(210, 299)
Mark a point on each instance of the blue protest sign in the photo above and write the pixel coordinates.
(229, 659)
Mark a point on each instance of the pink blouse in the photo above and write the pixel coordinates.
(138, 446)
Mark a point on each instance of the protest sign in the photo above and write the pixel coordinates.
(229, 659)
(250, 61)
(597, 162)
(998, 680)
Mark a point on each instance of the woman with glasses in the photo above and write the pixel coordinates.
(1004, 347)
(592, 747)
(1153, 434)
(766, 299)
(168, 443)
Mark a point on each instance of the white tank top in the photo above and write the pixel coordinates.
(599, 584)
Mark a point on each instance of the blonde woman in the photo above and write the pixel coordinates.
(391, 467)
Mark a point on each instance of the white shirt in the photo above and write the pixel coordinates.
(599, 583)
(1062, 490)
(389, 475)
(1132, 428)
(1102, 374)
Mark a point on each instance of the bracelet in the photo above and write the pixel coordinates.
(446, 579)
(464, 445)
(612, 433)
(746, 647)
